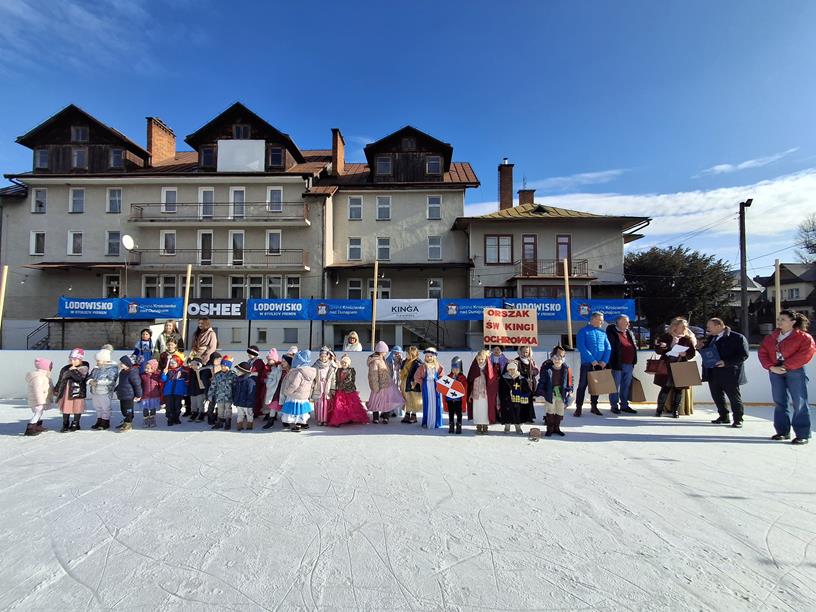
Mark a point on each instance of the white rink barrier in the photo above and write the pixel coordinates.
(15, 364)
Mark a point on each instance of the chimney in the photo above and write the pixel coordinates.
(161, 141)
(338, 153)
(505, 184)
(526, 196)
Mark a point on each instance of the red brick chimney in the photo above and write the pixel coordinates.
(338, 153)
(161, 141)
(526, 196)
(505, 184)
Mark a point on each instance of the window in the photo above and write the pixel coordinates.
(563, 248)
(76, 204)
(236, 335)
(206, 202)
(383, 289)
(114, 201)
(434, 207)
(237, 202)
(205, 287)
(274, 287)
(79, 133)
(74, 243)
(113, 240)
(355, 249)
(111, 284)
(261, 338)
(293, 287)
(499, 292)
(552, 291)
(354, 289)
(205, 247)
(236, 254)
(159, 286)
(169, 199)
(383, 208)
(290, 335)
(117, 158)
(79, 157)
(433, 164)
(793, 293)
(237, 287)
(207, 154)
(36, 243)
(383, 165)
(39, 201)
(168, 286)
(40, 159)
(256, 287)
(409, 144)
(167, 242)
(150, 286)
(276, 157)
(384, 249)
(435, 288)
(274, 199)
(355, 208)
(241, 131)
(273, 242)
(498, 249)
(434, 248)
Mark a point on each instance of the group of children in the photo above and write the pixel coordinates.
(296, 388)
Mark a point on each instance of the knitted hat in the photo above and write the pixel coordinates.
(292, 350)
(396, 349)
(430, 351)
(345, 359)
(153, 363)
(227, 363)
(252, 351)
(126, 361)
(381, 347)
(244, 367)
(325, 349)
(104, 356)
(303, 358)
(77, 353)
(272, 355)
(456, 363)
(41, 363)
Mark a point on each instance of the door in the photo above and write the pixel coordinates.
(529, 255)
(563, 250)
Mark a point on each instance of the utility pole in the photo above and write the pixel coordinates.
(744, 268)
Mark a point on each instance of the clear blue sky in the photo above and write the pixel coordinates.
(675, 101)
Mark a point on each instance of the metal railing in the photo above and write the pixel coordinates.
(552, 267)
(219, 211)
(39, 338)
(284, 258)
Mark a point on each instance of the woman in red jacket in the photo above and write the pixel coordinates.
(785, 353)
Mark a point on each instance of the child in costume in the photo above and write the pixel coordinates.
(385, 398)
(555, 386)
(527, 368)
(324, 385)
(40, 394)
(426, 376)
(143, 351)
(220, 394)
(514, 394)
(151, 392)
(454, 404)
(101, 383)
(274, 378)
(175, 377)
(483, 390)
(297, 387)
(71, 389)
(347, 405)
(411, 391)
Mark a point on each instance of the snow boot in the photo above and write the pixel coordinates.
(269, 424)
(615, 411)
(250, 425)
(126, 426)
(458, 428)
(507, 428)
(548, 419)
(31, 430)
(557, 418)
(375, 417)
(450, 427)
(75, 425)
(218, 424)
(39, 426)
(120, 425)
(194, 416)
(227, 424)
(577, 412)
(406, 418)
(413, 418)
(66, 423)
(105, 424)
(97, 425)
(296, 427)
(239, 426)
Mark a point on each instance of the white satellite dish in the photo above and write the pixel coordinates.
(128, 242)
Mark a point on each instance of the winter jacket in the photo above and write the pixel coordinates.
(733, 351)
(797, 350)
(298, 384)
(379, 376)
(176, 382)
(327, 385)
(161, 342)
(130, 384)
(40, 389)
(346, 380)
(660, 379)
(151, 386)
(545, 387)
(243, 392)
(102, 380)
(73, 383)
(593, 344)
(199, 381)
(142, 353)
(612, 333)
(204, 344)
(221, 387)
(274, 374)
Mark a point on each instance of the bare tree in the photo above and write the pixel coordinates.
(806, 238)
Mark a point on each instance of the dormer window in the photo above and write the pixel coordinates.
(79, 158)
(409, 144)
(207, 156)
(276, 157)
(241, 131)
(40, 159)
(79, 133)
(117, 158)
(383, 165)
(433, 164)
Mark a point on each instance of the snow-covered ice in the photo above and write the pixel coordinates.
(627, 513)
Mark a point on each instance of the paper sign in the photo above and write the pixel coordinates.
(510, 327)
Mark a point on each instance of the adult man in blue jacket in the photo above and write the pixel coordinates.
(593, 344)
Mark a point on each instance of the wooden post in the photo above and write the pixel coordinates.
(3, 300)
(374, 305)
(569, 306)
(186, 302)
(777, 291)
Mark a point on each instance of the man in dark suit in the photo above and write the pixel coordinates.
(728, 374)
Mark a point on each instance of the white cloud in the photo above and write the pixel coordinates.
(746, 165)
(575, 181)
(355, 146)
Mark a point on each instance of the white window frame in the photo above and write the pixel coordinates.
(280, 286)
(351, 206)
(262, 336)
(282, 157)
(34, 201)
(201, 283)
(377, 165)
(280, 242)
(70, 249)
(428, 159)
(349, 247)
(440, 288)
(176, 284)
(32, 242)
(388, 238)
(299, 287)
(75, 129)
(236, 335)
(200, 247)
(121, 157)
(232, 192)
(105, 278)
(428, 208)
(231, 250)
(250, 285)
(162, 250)
(357, 281)
(108, 200)
(383, 288)
(430, 257)
(232, 285)
(164, 192)
(107, 243)
(276, 207)
(201, 192)
(74, 164)
(386, 200)
(37, 161)
(71, 193)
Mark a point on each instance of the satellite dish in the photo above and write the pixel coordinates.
(128, 242)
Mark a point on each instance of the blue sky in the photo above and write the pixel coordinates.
(677, 110)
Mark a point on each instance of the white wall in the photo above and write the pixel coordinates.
(15, 365)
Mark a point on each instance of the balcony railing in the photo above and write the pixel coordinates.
(223, 258)
(552, 267)
(224, 212)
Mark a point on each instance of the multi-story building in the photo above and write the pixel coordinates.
(797, 283)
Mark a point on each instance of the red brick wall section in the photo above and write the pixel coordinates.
(505, 185)
(526, 196)
(338, 153)
(161, 141)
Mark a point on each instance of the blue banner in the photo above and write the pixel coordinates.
(89, 308)
(278, 310)
(466, 310)
(152, 308)
(340, 310)
(548, 310)
(611, 308)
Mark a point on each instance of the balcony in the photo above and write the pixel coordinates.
(224, 259)
(220, 213)
(552, 268)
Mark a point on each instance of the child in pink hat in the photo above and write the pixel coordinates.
(72, 388)
(40, 394)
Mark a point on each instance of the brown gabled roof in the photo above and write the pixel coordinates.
(542, 212)
(322, 190)
(14, 191)
(444, 148)
(358, 175)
